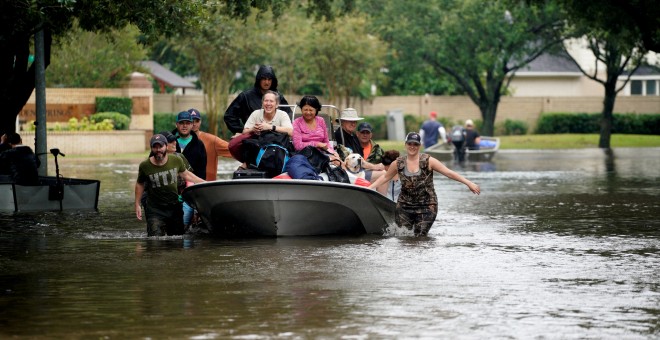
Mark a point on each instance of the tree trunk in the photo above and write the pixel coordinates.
(607, 117)
(488, 108)
(17, 82)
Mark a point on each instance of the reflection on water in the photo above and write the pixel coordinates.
(561, 244)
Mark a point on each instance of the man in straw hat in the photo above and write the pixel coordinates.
(346, 135)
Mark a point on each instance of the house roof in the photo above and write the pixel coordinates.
(548, 65)
(172, 79)
(645, 70)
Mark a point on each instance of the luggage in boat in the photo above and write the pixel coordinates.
(249, 173)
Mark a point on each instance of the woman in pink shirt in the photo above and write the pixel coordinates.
(310, 129)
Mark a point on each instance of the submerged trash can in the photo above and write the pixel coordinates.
(396, 128)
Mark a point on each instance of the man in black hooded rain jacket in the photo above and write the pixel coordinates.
(250, 100)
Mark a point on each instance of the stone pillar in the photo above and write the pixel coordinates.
(141, 92)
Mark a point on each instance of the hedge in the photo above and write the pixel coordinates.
(114, 104)
(642, 124)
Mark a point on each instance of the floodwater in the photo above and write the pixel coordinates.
(560, 245)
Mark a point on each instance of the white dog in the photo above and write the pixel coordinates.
(353, 164)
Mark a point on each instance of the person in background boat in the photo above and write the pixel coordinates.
(391, 188)
(431, 130)
(19, 162)
(458, 139)
(214, 145)
(310, 129)
(250, 100)
(158, 176)
(189, 144)
(417, 205)
(268, 118)
(472, 137)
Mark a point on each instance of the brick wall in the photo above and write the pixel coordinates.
(93, 142)
(457, 107)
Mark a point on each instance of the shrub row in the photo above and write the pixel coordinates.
(166, 120)
(642, 124)
(122, 105)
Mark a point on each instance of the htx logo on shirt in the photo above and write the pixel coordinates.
(163, 178)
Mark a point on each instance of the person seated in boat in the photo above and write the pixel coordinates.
(19, 162)
(472, 137)
(346, 136)
(268, 118)
(431, 130)
(372, 153)
(310, 129)
(250, 100)
(391, 188)
(348, 141)
(158, 176)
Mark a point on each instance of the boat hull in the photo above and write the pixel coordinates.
(271, 208)
(445, 152)
(76, 194)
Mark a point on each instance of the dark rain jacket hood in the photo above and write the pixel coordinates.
(266, 72)
(249, 101)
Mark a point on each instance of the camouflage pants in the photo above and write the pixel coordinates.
(164, 221)
(418, 219)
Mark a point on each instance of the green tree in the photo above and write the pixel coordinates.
(89, 59)
(619, 55)
(21, 19)
(346, 55)
(221, 45)
(479, 44)
(639, 19)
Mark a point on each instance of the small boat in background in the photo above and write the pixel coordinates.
(487, 150)
(53, 193)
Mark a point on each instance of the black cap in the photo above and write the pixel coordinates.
(364, 126)
(413, 137)
(169, 136)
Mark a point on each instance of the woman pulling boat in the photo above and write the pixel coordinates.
(417, 205)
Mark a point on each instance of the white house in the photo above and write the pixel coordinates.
(556, 76)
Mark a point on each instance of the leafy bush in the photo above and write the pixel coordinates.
(114, 104)
(118, 120)
(514, 127)
(164, 121)
(74, 125)
(646, 124)
(568, 123)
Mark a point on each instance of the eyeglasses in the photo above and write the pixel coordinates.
(365, 132)
(412, 144)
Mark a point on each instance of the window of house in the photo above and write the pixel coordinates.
(651, 88)
(636, 87)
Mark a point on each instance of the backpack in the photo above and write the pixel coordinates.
(272, 159)
(457, 134)
(316, 158)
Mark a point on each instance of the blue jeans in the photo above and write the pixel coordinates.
(188, 213)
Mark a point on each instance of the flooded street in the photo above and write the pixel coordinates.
(561, 244)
